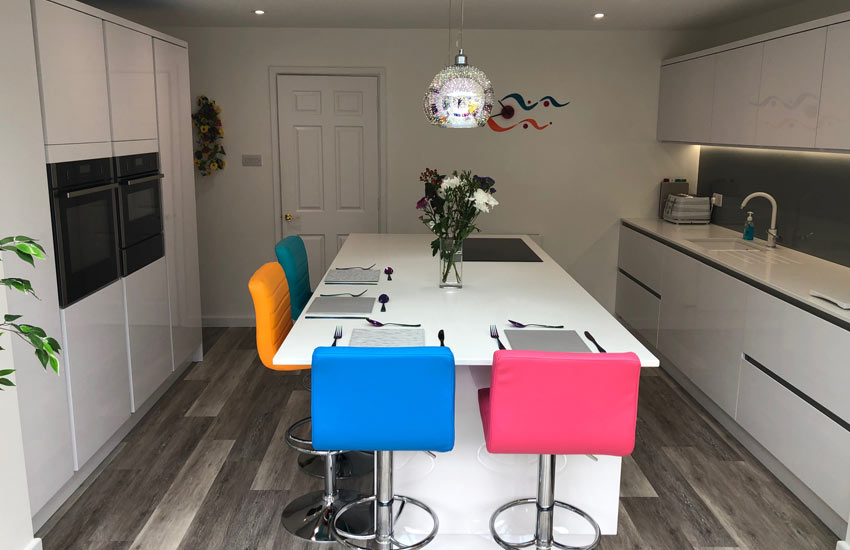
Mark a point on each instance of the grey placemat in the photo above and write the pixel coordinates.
(387, 337)
(546, 340)
(498, 249)
(341, 305)
(362, 276)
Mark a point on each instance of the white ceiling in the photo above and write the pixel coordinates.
(489, 14)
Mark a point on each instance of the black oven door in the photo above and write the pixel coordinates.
(86, 238)
(141, 208)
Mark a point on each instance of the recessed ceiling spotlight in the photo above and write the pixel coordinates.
(259, 12)
(599, 16)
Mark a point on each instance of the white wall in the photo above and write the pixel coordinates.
(24, 210)
(15, 35)
(571, 182)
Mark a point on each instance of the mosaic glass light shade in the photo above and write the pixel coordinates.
(460, 96)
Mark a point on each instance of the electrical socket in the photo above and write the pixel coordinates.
(252, 160)
(717, 199)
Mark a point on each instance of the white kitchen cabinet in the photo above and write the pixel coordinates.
(811, 445)
(72, 75)
(132, 95)
(640, 257)
(808, 352)
(174, 110)
(638, 307)
(95, 352)
(702, 325)
(834, 114)
(736, 95)
(685, 104)
(790, 90)
(148, 330)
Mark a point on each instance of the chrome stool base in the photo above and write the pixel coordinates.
(309, 517)
(356, 541)
(348, 464)
(531, 543)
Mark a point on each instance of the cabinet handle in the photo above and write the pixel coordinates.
(97, 189)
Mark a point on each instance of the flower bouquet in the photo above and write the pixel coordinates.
(451, 205)
(209, 155)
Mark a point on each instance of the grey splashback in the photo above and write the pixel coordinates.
(811, 189)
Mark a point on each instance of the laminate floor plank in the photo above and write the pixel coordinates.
(173, 515)
(689, 485)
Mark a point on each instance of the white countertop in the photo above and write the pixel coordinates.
(492, 293)
(784, 270)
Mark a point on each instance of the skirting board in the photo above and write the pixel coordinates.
(50, 513)
(827, 515)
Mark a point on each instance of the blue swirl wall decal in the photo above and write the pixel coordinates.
(529, 106)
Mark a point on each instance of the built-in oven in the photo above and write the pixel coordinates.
(140, 210)
(85, 227)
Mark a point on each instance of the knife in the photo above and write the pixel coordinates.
(331, 317)
(590, 337)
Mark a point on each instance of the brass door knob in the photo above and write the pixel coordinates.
(288, 217)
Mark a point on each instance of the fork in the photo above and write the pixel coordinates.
(337, 334)
(375, 323)
(494, 333)
(355, 267)
(520, 325)
(343, 294)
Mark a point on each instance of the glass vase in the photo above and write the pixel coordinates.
(451, 263)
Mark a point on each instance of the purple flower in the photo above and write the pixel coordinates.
(422, 203)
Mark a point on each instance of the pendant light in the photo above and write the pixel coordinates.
(460, 96)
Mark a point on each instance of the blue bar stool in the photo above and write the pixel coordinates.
(350, 386)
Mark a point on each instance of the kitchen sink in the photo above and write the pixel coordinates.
(724, 245)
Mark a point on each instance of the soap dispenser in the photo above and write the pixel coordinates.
(749, 227)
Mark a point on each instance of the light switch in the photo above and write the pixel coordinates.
(252, 160)
(717, 199)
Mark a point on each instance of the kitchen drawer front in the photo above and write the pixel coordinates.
(701, 326)
(640, 257)
(638, 307)
(811, 445)
(810, 353)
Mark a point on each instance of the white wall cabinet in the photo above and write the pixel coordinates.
(685, 103)
(72, 75)
(736, 95)
(834, 114)
(148, 330)
(95, 353)
(178, 197)
(790, 90)
(702, 325)
(132, 95)
(808, 443)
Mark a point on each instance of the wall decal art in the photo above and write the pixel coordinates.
(509, 111)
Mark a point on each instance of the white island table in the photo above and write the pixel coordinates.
(466, 485)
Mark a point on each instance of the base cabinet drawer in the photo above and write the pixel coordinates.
(814, 447)
(638, 307)
(640, 257)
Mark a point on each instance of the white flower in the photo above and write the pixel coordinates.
(449, 183)
(483, 200)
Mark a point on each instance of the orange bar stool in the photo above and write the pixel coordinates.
(308, 516)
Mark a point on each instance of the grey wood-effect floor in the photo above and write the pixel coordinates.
(207, 468)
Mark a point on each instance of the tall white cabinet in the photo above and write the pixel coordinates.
(174, 112)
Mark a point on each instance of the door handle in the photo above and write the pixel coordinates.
(289, 217)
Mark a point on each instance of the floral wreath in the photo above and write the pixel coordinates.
(208, 156)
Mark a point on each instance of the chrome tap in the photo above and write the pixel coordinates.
(771, 233)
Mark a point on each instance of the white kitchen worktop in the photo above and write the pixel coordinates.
(783, 270)
(492, 293)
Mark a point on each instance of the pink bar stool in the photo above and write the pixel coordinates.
(558, 404)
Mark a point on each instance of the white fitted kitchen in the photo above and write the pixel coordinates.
(113, 94)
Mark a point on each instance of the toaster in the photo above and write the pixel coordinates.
(687, 209)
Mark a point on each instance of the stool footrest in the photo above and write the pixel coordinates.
(354, 541)
(555, 544)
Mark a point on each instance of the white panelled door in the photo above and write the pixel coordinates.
(328, 130)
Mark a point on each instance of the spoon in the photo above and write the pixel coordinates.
(520, 325)
(375, 323)
(389, 273)
(383, 298)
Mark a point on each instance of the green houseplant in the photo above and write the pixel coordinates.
(46, 348)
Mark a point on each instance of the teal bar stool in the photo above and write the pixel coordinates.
(292, 256)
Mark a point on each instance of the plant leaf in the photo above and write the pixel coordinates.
(6, 372)
(25, 257)
(43, 358)
(6, 382)
(53, 343)
(54, 363)
(9, 317)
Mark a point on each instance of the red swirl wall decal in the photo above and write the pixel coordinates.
(496, 128)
